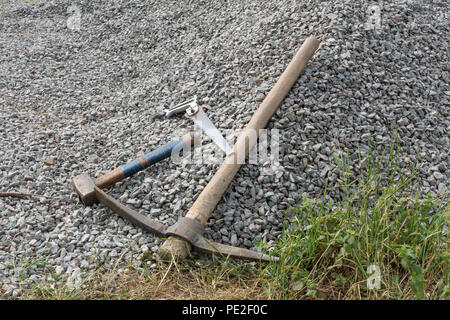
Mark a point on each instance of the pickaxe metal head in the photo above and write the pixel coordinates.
(190, 230)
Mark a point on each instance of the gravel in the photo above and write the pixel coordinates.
(86, 97)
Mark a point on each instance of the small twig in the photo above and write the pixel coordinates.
(15, 194)
(168, 269)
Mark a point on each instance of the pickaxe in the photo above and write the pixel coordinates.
(188, 230)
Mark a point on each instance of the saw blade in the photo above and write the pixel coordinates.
(202, 120)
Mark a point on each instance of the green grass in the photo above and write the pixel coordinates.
(382, 228)
(380, 238)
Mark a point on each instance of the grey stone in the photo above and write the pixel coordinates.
(91, 106)
(438, 175)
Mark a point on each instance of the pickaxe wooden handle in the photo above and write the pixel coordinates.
(211, 195)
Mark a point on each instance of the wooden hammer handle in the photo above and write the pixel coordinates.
(110, 178)
(142, 162)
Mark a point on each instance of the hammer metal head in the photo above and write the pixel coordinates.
(85, 188)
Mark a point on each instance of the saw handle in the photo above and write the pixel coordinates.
(142, 162)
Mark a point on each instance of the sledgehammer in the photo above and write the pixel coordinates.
(85, 191)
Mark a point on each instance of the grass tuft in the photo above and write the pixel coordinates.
(382, 240)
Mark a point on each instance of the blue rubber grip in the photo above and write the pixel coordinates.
(150, 158)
